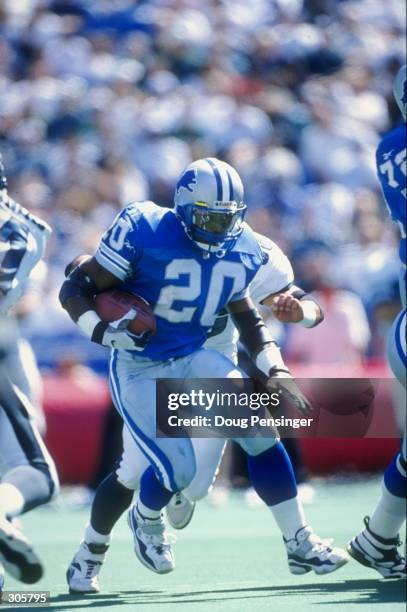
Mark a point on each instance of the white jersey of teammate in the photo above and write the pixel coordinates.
(275, 276)
(25, 235)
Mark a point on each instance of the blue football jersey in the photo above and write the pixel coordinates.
(391, 159)
(147, 248)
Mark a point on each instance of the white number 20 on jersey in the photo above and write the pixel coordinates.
(192, 290)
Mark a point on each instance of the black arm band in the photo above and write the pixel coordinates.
(254, 334)
(98, 332)
(299, 294)
(78, 284)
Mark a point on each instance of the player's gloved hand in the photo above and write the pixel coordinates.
(116, 334)
(284, 384)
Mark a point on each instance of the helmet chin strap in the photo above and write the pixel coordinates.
(208, 249)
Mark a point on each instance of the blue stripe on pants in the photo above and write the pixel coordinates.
(153, 452)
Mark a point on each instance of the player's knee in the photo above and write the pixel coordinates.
(48, 471)
(200, 487)
(54, 488)
(257, 446)
(128, 479)
(183, 478)
(37, 483)
(50, 477)
(184, 475)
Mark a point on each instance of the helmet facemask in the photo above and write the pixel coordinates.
(213, 227)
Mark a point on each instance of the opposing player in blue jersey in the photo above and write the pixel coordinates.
(189, 263)
(376, 546)
(27, 472)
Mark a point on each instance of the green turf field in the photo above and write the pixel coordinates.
(229, 559)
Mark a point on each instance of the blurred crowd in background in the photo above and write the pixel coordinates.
(103, 103)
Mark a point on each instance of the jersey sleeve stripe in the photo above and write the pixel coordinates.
(112, 257)
(110, 265)
(113, 254)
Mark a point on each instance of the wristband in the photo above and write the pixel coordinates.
(269, 360)
(309, 313)
(88, 321)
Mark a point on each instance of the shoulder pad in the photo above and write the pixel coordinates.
(248, 246)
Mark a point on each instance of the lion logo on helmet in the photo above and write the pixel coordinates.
(187, 181)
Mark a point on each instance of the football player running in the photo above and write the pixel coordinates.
(27, 473)
(191, 263)
(377, 545)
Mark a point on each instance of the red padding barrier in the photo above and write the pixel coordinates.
(75, 410)
(332, 455)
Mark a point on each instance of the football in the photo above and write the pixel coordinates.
(112, 305)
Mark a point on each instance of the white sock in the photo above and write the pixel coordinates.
(94, 537)
(289, 516)
(11, 500)
(389, 515)
(147, 513)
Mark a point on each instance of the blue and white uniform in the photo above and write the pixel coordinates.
(149, 251)
(23, 239)
(391, 161)
(274, 276)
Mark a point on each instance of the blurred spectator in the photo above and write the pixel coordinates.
(106, 102)
(343, 336)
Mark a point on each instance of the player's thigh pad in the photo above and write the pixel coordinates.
(135, 398)
(208, 455)
(396, 347)
(208, 363)
(133, 462)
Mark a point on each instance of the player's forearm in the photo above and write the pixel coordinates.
(84, 280)
(266, 355)
(78, 306)
(81, 309)
(258, 341)
(77, 295)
